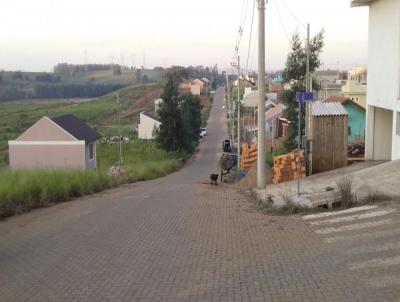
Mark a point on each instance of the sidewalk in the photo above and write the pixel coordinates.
(372, 177)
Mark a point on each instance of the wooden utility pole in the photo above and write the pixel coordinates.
(261, 96)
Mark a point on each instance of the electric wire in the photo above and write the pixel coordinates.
(293, 15)
(251, 33)
(281, 21)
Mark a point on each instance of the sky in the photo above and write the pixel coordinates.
(36, 35)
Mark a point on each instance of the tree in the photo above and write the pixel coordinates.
(295, 73)
(191, 118)
(171, 135)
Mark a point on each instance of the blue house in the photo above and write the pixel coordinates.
(356, 118)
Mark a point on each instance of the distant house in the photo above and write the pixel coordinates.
(195, 89)
(382, 140)
(60, 142)
(356, 127)
(329, 136)
(149, 123)
(277, 88)
(355, 91)
(274, 124)
(199, 87)
(185, 87)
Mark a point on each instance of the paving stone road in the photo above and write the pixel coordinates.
(176, 239)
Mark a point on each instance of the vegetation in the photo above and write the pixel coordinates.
(21, 191)
(277, 152)
(180, 118)
(71, 81)
(295, 72)
(142, 160)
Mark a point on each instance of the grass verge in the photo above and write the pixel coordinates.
(21, 191)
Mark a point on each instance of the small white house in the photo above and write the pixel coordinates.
(62, 142)
(382, 141)
(148, 124)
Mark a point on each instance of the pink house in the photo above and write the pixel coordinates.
(63, 142)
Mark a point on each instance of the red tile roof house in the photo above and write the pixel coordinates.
(63, 142)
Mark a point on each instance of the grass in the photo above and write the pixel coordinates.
(142, 160)
(16, 117)
(277, 152)
(21, 191)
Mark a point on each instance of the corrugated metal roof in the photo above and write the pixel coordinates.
(328, 109)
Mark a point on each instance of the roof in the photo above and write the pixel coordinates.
(151, 115)
(76, 127)
(328, 109)
(336, 99)
(355, 3)
(342, 100)
(278, 109)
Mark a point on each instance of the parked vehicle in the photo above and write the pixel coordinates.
(227, 145)
(203, 132)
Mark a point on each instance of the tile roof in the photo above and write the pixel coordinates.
(342, 100)
(336, 99)
(328, 109)
(76, 127)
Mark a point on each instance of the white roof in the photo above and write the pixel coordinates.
(328, 109)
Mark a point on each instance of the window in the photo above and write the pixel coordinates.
(91, 151)
(349, 131)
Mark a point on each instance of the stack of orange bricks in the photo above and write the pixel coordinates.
(249, 156)
(286, 169)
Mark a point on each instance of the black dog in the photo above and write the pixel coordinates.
(214, 179)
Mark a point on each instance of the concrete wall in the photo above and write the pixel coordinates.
(356, 122)
(146, 127)
(91, 163)
(45, 130)
(35, 154)
(383, 53)
(383, 90)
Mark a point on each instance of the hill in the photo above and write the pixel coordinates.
(17, 85)
(17, 116)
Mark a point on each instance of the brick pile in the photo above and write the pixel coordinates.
(285, 167)
(249, 156)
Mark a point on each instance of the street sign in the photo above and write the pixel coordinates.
(305, 97)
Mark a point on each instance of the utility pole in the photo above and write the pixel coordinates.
(238, 113)
(229, 105)
(119, 132)
(309, 104)
(261, 96)
(237, 64)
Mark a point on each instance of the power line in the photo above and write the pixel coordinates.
(241, 26)
(281, 21)
(293, 15)
(251, 33)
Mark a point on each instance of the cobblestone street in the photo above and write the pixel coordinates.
(176, 239)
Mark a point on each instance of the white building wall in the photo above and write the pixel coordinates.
(146, 127)
(383, 74)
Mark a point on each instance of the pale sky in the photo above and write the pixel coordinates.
(37, 34)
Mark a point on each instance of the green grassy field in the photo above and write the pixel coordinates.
(21, 191)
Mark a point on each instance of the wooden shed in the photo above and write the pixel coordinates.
(329, 136)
